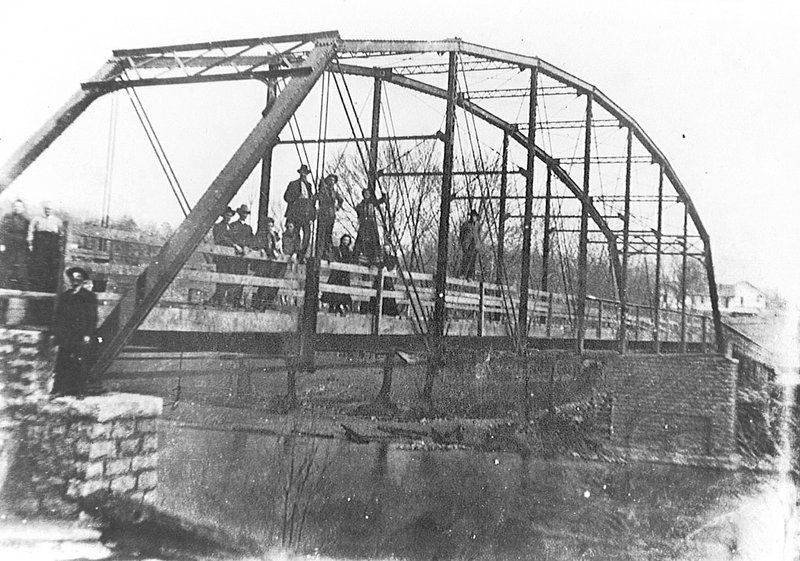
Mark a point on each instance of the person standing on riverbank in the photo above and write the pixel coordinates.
(74, 325)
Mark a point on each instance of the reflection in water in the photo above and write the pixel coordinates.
(369, 501)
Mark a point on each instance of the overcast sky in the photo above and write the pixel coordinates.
(713, 83)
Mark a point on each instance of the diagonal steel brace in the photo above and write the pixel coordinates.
(134, 306)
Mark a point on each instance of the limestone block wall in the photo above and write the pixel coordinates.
(70, 449)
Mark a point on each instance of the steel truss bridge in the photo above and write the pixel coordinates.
(591, 235)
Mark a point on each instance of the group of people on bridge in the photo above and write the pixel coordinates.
(304, 206)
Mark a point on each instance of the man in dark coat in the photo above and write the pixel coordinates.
(223, 236)
(74, 325)
(242, 238)
(14, 248)
(300, 208)
(468, 239)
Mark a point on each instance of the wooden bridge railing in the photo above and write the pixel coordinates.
(114, 259)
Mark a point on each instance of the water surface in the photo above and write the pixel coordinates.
(336, 498)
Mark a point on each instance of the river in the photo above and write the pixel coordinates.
(385, 500)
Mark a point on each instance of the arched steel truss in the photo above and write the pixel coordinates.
(302, 59)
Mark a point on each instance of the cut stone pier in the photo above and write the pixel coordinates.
(72, 449)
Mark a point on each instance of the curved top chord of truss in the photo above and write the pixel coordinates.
(384, 48)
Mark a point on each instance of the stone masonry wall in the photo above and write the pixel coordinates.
(54, 453)
(669, 407)
(676, 406)
(71, 449)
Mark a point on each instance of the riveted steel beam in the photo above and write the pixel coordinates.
(134, 306)
(52, 129)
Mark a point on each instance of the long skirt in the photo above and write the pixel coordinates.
(70, 372)
(368, 241)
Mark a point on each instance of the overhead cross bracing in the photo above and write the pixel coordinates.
(577, 156)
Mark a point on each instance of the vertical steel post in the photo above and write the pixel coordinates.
(548, 193)
(378, 303)
(657, 299)
(527, 220)
(623, 280)
(580, 308)
(481, 308)
(684, 262)
(266, 161)
(501, 222)
(372, 176)
(440, 278)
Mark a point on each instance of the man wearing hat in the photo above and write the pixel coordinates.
(223, 235)
(468, 239)
(300, 208)
(73, 327)
(242, 238)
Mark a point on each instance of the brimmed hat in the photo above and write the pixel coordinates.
(228, 212)
(77, 273)
(243, 209)
(303, 169)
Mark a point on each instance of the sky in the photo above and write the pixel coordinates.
(712, 82)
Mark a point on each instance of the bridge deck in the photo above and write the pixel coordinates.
(474, 309)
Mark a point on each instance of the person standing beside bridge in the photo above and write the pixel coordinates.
(44, 242)
(14, 248)
(330, 200)
(74, 324)
(468, 240)
(368, 241)
(300, 209)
